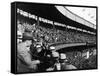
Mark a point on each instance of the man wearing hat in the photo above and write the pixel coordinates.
(64, 63)
(24, 58)
(54, 58)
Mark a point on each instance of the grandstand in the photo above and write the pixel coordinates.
(63, 30)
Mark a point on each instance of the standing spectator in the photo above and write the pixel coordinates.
(25, 63)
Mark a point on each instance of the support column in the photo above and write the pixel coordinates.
(38, 23)
(53, 26)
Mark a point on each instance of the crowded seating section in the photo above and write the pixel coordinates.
(44, 34)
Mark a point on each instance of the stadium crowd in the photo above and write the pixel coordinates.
(57, 36)
(33, 48)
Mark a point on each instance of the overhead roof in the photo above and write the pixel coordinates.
(77, 16)
(49, 11)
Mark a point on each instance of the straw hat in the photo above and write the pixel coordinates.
(55, 54)
(52, 48)
(38, 46)
(62, 56)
